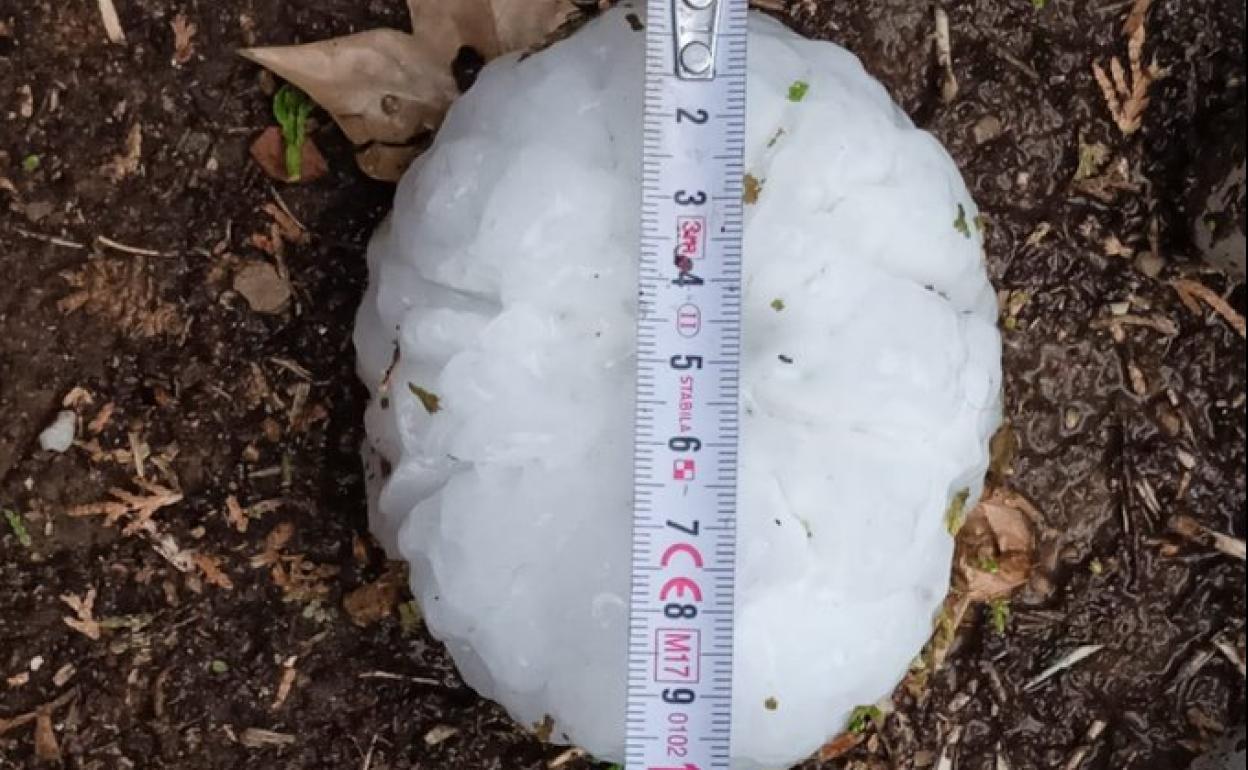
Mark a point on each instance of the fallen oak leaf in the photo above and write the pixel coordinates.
(386, 89)
(996, 547)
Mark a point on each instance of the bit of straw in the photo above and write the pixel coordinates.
(1193, 292)
(112, 24)
(1074, 657)
(1231, 653)
(1190, 529)
(1080, 754)
(944, 57)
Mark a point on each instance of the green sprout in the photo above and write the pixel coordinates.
(428, 400)
(960, 224)
(292, 107)
(797, 91)
(955, 513)
(989, 565)
(18, 525)
(30, 164)
(862, 717)
(1039, 4)
(1000, 612)
(777, 304)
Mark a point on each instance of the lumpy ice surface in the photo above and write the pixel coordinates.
(504, 285)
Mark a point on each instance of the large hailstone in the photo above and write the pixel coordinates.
(498, 333)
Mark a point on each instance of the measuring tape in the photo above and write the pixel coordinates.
(688, 365)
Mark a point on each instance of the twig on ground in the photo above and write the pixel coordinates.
(1190, 529)
(1190, 291)
(401, 678)
(1074, 657)
(1231, 653)
(112, 24)
(944, 57)
(1089, 739)
(136, 250)
(1126, 94)
(368, 758)
(52, 239)
(949, 751)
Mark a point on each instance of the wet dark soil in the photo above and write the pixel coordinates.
(1117, 431)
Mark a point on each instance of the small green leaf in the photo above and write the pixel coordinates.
(777, 304)
(1000, 610)
(960, 224)
(30, 163)
(955, 514)
(797, 91)
(409, 618)
(430, 401)
(1092, 157)
(989, 565)
(218, 667)
(862, 717)
(1039, 4)
(18, 525)
(292, 107)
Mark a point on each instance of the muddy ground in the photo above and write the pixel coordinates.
(218, 647)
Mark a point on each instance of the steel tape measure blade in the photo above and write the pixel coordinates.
(679, 712)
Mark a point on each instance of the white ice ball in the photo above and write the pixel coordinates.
(504, 285)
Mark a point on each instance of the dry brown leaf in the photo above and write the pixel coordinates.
(287, 682)
(101, 419)
(264, 288)
(210, 566)
(123, 292)
(183, 39)
(996, 547)
(372, 602)
(269, 152)
(839, 746)
(1190, 291)
(1126, 95)
(78, 396)
(46, 747)
(129, 161)
(276, 540)
(84, 621)
(235, 514)
(392, 87)
(1135, 19)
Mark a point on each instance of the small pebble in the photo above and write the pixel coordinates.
(59, 436)
(986, 129)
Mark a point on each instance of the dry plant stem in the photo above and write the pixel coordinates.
(136, 250)
(52, 239)
(1076, 759)
(112, 24)
(1190, 291)
(1230, 652)
(1192, 530)
(944, 56)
